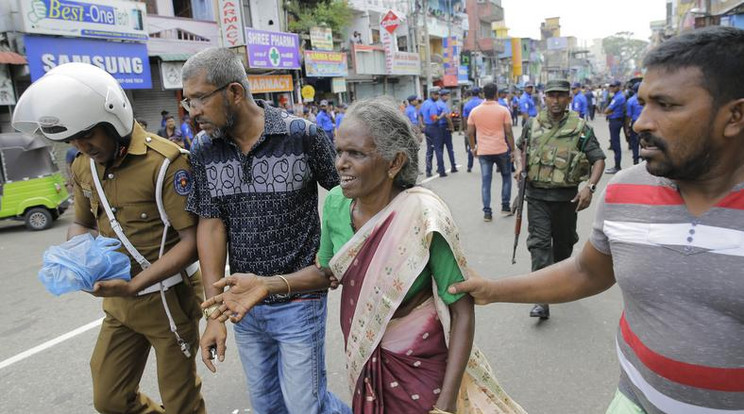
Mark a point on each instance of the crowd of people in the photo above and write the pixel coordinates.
(668, 232)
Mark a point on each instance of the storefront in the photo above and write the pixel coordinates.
(273, 60)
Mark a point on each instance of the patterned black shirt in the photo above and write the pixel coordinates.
(267, 198)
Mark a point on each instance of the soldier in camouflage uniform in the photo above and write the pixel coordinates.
(562, 153)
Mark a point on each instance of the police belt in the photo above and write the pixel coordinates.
(171, 281)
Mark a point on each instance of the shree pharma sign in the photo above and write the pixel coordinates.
(100, 19)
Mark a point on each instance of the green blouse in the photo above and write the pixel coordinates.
(336, 231)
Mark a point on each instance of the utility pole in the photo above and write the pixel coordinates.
(427, 51)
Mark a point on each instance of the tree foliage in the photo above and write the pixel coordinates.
(305, 14)
(626, 51)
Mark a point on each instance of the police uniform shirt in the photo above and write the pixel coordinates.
(428, 110)
(412, 114)
(129, 186)
(592, 150)
(617, 105)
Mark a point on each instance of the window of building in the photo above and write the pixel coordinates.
(193, 9)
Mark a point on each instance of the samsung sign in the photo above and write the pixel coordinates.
(109, 19)
(127, 62)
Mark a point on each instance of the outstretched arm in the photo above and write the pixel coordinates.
(247, 289)
(588, 273)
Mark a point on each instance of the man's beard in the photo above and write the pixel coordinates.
(692, 169)
(223, 132)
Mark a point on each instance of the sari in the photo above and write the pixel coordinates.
(397, 365)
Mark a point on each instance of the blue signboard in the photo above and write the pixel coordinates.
(126, 62)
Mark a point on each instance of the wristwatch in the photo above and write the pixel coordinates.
(592, 187)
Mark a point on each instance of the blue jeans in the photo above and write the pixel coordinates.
(282, 350)
(433, 145)
(469, 152)
(486, 165)
(616, 125)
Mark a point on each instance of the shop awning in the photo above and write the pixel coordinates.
(12, 58)
(174, 57)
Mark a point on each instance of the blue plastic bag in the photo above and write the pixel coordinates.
(82, 261)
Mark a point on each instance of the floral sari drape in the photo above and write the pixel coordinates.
(398, 365)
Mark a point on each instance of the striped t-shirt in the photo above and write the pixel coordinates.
(681, 336)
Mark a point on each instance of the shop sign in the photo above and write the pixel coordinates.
(7, 96)
(308, 93)
(231, 23)
(325, 64)
(338, 85)
(390, 22)
(126, 62)
(102, 19)
(270, 83)
(321, 38)
(405, 63)
(272, 50)
(170, 73)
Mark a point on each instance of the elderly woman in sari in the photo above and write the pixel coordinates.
(395, 249)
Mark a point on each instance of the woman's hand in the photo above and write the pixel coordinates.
(245, 291)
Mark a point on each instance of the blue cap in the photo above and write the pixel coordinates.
(575, 85)
(615, 83)
(475, 90)
(444, 92)
(529, 85)
(412, 98)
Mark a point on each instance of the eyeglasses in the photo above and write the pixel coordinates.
(192, 103)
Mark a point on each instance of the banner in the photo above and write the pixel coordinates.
(451, 57)
(321, 38)
(102, 19)
(126, 62)
(230, 20)
(270, 83)
(325, 64)
(272, 50)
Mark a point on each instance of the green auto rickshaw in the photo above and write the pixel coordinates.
(31, 187)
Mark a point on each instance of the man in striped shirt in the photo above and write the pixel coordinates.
(671, 234)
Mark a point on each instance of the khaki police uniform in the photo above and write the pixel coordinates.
(133, 324)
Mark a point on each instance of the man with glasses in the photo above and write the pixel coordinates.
(256, 174)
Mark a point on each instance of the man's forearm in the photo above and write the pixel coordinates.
(181, 255)
(77, 229)
(597, 170)
(211, 243)
(575, 278)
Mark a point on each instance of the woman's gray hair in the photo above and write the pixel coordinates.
(392, 133)
(220, 65)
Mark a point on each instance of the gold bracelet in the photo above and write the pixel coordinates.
(289, 288)
(210, 310)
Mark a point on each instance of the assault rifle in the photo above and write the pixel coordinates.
(519, 202)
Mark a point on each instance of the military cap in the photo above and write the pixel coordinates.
(615, 83)
(558, 85)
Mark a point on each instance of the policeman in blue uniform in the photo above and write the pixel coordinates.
(324, 121)
(474, 101)
(526, 104)
(446, 129)
(431, 113)
(578, 103)
(633, 112)
(616, 115)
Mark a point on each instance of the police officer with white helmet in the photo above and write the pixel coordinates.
(129, 185)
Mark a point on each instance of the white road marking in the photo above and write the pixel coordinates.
(48, 344)
(435, 176)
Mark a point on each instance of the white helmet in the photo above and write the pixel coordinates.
(72, 98)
